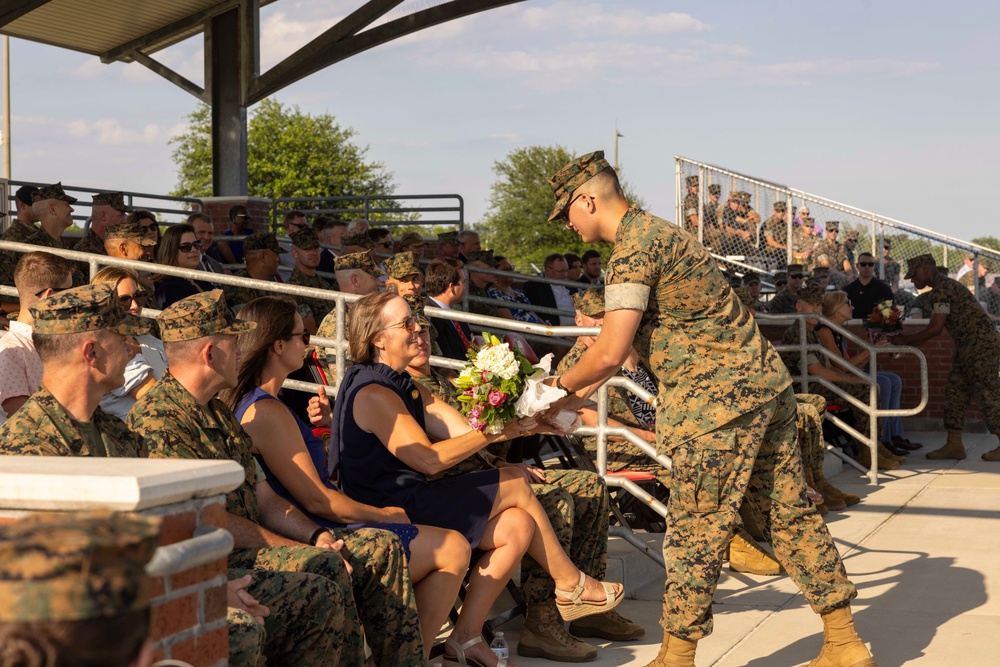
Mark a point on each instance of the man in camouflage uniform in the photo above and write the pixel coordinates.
(725, 413)
(479, 282)
(403, 273)
(776, 235)
(691, 205)
(751, 282)
(356, 274)
(447, 245)
(59, 572)
(353, 242)
(850, 246)
(261, 252)
(55, 213)
(973, 377)
(784, 301)
(305, 251)
(830, 253)
(804, 241)
(108, 210)
(128, 241)
(576, 503)
(181, 418)
(738, 222)
(81, 335)
(892, 268)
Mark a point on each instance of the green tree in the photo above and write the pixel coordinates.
(290, 154)
(520, 202)
(987, 241)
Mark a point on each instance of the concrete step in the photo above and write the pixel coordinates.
(642, 577)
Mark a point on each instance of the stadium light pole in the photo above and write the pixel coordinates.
(617, 135)
(6, 107)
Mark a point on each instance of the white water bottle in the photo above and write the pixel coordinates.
(499, 647)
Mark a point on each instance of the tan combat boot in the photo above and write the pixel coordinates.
(865, 459)
(992, 455)
(675, 652)
(953, 448)
(884, 453)
(544, 636)
(824, 486)
(746, 556)
(841, 645)
(610, 625)
(822, 506)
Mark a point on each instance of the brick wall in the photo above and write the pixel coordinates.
(189, 607)
(218, 209)
(939, 353)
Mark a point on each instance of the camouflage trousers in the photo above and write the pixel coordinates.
(308, 624)
(576, 503)
(858, 391)
(754, 456)
(973, 379)
(384, 603)
(809, 427)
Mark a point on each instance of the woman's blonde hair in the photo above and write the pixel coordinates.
(113, 275)
(364, 323)
(832, 301)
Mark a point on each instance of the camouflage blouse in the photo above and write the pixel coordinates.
(42, 427)
(710, 360)
(177, 426)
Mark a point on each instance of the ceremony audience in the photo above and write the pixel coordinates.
(445, 283)
(180, 247)
(503, 290)
(552, 296)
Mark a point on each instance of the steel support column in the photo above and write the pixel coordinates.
(229, 113)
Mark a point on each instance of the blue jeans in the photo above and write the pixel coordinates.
(890, 388)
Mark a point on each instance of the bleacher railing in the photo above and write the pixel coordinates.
(440, 210)
(874, 230)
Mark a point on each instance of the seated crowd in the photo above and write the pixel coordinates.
(367, 511)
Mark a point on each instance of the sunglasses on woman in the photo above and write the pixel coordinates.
(188, 247)
(303, 334)
(127, 299)
(409, 324)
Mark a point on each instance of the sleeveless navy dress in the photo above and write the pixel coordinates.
(370, 474)
(317, 452)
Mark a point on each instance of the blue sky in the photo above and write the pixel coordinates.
(890, 106)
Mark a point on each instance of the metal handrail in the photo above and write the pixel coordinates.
(367, 210)
(871, 408)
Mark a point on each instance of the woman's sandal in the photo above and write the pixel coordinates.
(461, 659)
(578, 608)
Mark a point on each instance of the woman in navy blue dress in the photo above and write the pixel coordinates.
(294, 462)
(381, 449)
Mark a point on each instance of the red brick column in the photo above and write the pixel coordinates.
(218, 209)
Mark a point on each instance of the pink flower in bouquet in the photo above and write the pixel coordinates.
(476, 424)
(476, 412)
(496, 398)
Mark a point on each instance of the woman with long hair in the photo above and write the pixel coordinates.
(503, 290)
(380, 445)
(150, 225)
(293, 458)
(149, 362)
(180, 247)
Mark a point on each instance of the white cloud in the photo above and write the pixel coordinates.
(281, 36)
(111, 132)
(594, 18)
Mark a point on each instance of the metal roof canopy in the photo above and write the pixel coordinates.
(132, 31)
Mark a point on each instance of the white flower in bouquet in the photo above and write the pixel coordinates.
(498, 359)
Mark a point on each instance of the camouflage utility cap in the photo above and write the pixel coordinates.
(411, 239)
(305, 239)
(749, 278)
(357, 260)
(200, 315)
(417, 304)
(359, 239)
(565, 181)
(262, 241)
(590, 302)
(851, 236)
(795, 268)
(401, 264)
(812, 294)
(833, 226)
(780, 206)
(448, 238)
(780, 275)
(75, 566)
(115, 200)
(742, 197)
(691, 181)
(484, 256)
(82, 309)
(821, 271)
(129, 231)
(715, 189)
(915, 263)
(54, 191)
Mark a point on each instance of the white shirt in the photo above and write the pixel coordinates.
(151, 359)
(564, 301)
(20, 366)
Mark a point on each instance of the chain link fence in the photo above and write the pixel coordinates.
(764, 225)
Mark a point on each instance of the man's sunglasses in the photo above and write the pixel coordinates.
(797, 276)
(866, 263)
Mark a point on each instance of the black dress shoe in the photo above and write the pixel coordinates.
(903, 443)
(898, 451)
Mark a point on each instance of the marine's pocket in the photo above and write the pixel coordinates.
(701, 471)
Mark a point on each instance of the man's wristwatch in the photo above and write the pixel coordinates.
(316, 535)
(559, 385)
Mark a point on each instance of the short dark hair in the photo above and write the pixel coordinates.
(552, 259)
(571, 257)
(591, 254)
(375, 233)
(441, 274)
(204, 217)
(291, 215)
(236, 210)
(865, 254)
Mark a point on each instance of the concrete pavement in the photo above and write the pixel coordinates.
(922, 549)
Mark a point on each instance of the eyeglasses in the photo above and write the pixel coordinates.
(188, 247)
(55, 290)
(409, 324)
(127, 299)
(866, 263)
(797, 276)
(303, 334)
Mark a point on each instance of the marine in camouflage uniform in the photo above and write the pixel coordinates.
(42, 426)
(307, 239)
(238, 296)
(735, 435)
(973, 377)
(892, 267)
(176, 425)
(830, 250)
(776, 231)
(803, 242)
(784, 301)
(91, 242)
